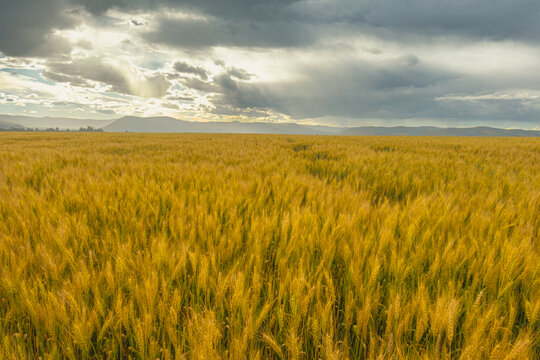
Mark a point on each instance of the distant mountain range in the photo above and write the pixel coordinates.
(170, 125)
(9, 125)
(49, 122)
(437, 131)
(167, 124)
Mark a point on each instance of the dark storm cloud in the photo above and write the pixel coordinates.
(196, 33)
(485, 18)
(244, 23)
(185, 68)
(518, 19)
(348, 86)
(403, 88)
(334, 88)
(98, 7)
(231, 9)
(261, 10)
(238, 23)
(26, 27)
(199, 85)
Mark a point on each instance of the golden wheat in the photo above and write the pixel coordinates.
(251, 246)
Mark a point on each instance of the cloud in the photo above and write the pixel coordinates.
(99, 7)
(492, 96)
(180, 98)
(27, 27)
(106, 111)
(73, 80)
(136, 22)
(170, 106)
(186, 68)
(294, 59)
(400, 88)
(338, 88)
(231, 9)
(199, 85)
(239, 74)
(287, 23)
(196, 33)
(485, 19)
(122, 78)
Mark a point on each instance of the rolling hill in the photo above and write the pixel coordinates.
(170, 125)
(6, 125)
(33, 122)
(437, 131)
(167, 124)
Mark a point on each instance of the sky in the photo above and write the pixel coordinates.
(329, 62)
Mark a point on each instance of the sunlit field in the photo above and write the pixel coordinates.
(268, 247)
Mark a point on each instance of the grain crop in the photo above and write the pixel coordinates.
(202, 246)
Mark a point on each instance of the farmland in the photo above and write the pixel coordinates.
(266, 246)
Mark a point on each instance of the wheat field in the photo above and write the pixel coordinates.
(191, 246)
